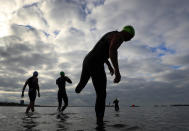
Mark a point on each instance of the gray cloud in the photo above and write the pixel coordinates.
(154, 65)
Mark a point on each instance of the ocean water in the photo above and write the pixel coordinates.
(83, 119)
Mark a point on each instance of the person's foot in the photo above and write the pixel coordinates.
(58, 109)
(27, 111)
(63, 108)
(78, 89)
(100, 122)
(32, 110)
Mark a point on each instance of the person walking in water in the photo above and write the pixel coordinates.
(61, 82)
(116, 101)
(93, 66)
(32, 82)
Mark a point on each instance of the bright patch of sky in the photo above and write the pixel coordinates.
(54, 35)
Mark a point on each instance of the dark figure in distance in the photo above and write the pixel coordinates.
(32, 82)
(116, 101)
(93, 66)
(61, 82)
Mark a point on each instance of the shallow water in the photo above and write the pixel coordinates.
(83, 118)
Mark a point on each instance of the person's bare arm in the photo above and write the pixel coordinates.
(114, 45)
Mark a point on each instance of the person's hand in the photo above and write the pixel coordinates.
(22, 95)
(117, 77)
(38, 94)
(77, 90)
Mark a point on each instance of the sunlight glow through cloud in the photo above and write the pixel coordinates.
(54, 35)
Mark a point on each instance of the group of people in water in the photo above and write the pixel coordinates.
(93, 67)
(32, 82)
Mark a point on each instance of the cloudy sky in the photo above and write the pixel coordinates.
(54, 35)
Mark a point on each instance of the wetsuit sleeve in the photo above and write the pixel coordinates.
(68, 79)
(109, 67)
(108, 63)
(57, 81)
(37, 85)
(25, 85)
(114, 45)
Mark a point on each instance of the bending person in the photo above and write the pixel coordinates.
(61, 82)
(32, 82)
(93, 66)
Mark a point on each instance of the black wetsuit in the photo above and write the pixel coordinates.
(93, 66)
(116, 105)
(61, 82)
(33, 86)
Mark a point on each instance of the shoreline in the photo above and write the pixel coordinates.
(43, 106)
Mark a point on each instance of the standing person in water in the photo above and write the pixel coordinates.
(93, 66)
(116, 101)
(61, 82)
(32, 82)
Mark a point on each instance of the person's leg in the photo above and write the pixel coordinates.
(32, 100)
(32, 106)
(118, 107)
(99, 82)
(65, 98)
(32, 96)
(84, 77)
(59, 101)
(115, 108)
(29, 105)
(28, 108)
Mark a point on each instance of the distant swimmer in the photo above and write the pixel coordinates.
(116, 101)
(32, 82)
(93, 66)
(61, 82)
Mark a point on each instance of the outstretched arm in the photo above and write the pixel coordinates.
(23, 89)
(114, 45)
(109, 67)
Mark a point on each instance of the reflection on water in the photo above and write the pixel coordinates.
(83, 119)
(117, 115)
(29, 121)
(100, 128)
(78, 119)
(62, 120)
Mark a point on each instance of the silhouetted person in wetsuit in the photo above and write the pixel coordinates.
(116, 101)
(61, 82)
(32, 82)
(93, 66)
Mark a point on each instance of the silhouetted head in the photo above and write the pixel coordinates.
(62, 73)
(128, 32)
(35, 73)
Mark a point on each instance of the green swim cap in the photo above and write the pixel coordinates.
(62, 73)
(129, 29)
